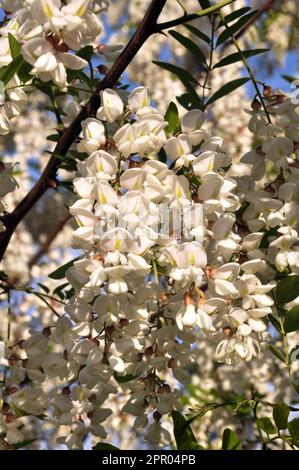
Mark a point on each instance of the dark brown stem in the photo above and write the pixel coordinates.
(147, 27)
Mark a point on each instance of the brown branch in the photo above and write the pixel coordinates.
(44, 248)
(147, 27)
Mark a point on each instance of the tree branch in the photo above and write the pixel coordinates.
(147, 27)
(44, 248)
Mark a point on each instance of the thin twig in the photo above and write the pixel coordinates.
(210, 64)
(245, 62)
(30, 290)
(41, 297)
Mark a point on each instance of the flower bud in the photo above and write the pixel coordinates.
(189, 317)
(164, 389)
(268, 91)
(256, 105)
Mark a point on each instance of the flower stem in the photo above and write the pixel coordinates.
(245, 62)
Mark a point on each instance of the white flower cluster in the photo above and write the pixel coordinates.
(273, 200)
(140, 296)
(49, 30)
(12, 101)
(179, 255)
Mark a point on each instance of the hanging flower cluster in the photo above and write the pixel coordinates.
(141, 294)
(49, 31)
(167, 256)
(178, 255)
(272, 203)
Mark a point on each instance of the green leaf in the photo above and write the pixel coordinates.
(172, 117)
(60, 272)
(270, 233)
(227, 33)
(266, 425)
(103, 446)
(85, 52)
(287, 289)
(289, 78)
(24, 72)
(53, 137)
(184, 437)
(293, 428)
(277, 353)
(183, 75)
(21, 445)
(226, 89)
(235, 57)
(69, 293)
(274, 322)
(59, 289)
(296, 386)
(15, 47)
(281, 413)
(122, 379)
(230, 440)
(3, 275)
(190, 101)
(204, 4)
(198, 33)
(291, 321)
(69, 164)
(162, 157)
(43, 287)
(234, 15)
(189, 45)
(7, 72)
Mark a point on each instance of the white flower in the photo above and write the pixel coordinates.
(178, 148)
(49, 63)
(117, 364)
(138, 99)
(7, 181)
(3, 361)
(187, 317)
(112, 106)
(5, 124)
(158, 435)
(54, 365)
(277, 147)
(237, 349)
(193, 120)
(100, 164)
(204, 321)
(93, 133)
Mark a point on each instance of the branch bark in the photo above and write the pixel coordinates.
(147, 27)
